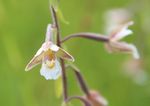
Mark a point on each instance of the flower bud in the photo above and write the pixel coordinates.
(96, 99)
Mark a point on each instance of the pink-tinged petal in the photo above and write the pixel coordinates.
(54, 47)
(134, 51)
(120, 47)
(46, 45)
(64, 55)
(124, 47)
(121, 32)
(51, 73)
(39, 52)
(108, 47)
(96, 99)
(49, 45)
(37, 59)
(116, 17)
(50, 33)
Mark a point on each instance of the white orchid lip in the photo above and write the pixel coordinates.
(51, 73)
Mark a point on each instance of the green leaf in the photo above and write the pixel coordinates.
(54, 3)
(61, 16)
(58, 87)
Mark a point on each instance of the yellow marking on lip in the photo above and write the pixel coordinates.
(51, 54)
(50, 59)
(50, 64)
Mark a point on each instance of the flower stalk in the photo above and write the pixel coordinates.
(82, 99)
(64, 77)
(81, 80)
(87, 35)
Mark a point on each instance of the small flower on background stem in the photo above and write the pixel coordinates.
(116, 17)
(48, 56)
(96, 99)
(134, 69)
(115, 45)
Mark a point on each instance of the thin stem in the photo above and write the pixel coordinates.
(55, 23)
(86, 102)
(81, 80)
(92, 36)
(64, 78)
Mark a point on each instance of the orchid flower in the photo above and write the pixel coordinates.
(115, 45)
(48, 56)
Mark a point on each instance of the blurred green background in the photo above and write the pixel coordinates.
(22, 31)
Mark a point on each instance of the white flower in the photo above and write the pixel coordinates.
(115, 45)
(47, 56)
